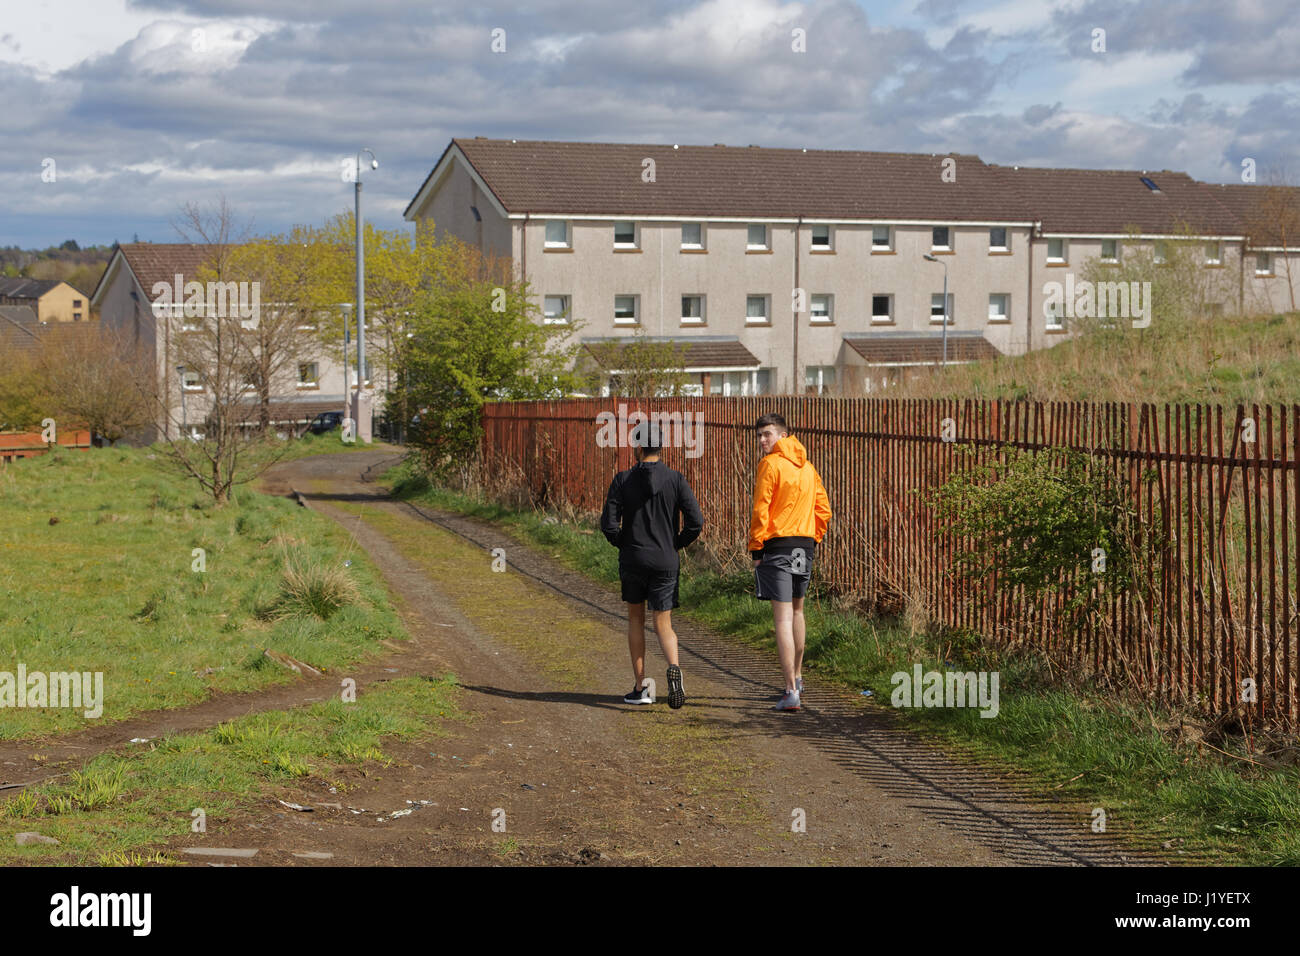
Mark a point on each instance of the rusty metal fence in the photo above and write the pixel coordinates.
(1215, 493)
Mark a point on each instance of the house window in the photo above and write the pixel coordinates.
(998, 239)
(940, 239)
(308, 375)
(820, 308)
(756, 309)
(1213, 257)
(555, 310)
(882, 308)
(76, 303)
(999, 303)
(692, 310)
(625, 309)
(1110, 250)
(76, 316)
(936, 308)
(757, 236)
(819, 378)
(192, 383)
(1054, 311)
(821, 238)
(1160, 252)
(1263, 263)
(1055, 250)
(625, 235)
(881, 239)
(692, 235)
(557, 234)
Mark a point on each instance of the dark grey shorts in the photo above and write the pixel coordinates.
(658, 589)
(783, 577)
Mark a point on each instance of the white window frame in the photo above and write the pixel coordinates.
(767, 237)
(1006, 240)
(829, 318)
(636, 309)
(568, 235)
(198, 385)
(693, 245)
(889, 300)
(1056, 312)
(1005, 316)
(1159, 252)
(693, 319)
(1065, 250)
(315, 381)
(939, 319)
(947, 247)
(1265, 257)
(821, 382)
(1217, 258)
(1109, 259)
(767, 309)
(636, 235)
(829, 245)
(563, 316)
(889, 238)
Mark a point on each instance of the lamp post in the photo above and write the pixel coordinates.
(185, 425)
(945, 305)
(363, 430)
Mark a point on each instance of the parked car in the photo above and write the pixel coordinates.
(325, 421)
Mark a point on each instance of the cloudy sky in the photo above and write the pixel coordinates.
(143, 105)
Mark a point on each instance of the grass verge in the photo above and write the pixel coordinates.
(1080, 746)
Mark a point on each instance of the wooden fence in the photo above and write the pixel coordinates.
(1215, 494)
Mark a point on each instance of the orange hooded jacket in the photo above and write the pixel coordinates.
(790, 504)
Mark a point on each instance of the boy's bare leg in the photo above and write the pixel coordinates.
(667, 636)
(783, 618)
(798, 632)
(636, 640)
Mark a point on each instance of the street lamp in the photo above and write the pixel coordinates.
(364, 433)
(185, 425)
(945, 305)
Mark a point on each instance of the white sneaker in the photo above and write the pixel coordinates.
(639, 696)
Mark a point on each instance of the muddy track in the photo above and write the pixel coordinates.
(570, 766)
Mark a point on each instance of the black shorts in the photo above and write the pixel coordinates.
(658, 589)
(783, 577)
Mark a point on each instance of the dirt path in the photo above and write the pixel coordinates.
(552, 767)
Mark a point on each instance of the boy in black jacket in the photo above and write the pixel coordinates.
(641, 520)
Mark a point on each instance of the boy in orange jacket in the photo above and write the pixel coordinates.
(791, 512)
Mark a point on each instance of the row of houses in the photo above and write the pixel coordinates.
(775, 270)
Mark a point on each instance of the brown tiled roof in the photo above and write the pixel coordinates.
(286, 411)
(1261, 209)
(888, 348)
(711, 352)
(1081, 201)
(22, 335)
(542, 177)
(161, 261)
(605, 179)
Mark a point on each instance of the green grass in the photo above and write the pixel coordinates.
(1078, 745)
(111, 586)
(123, 809)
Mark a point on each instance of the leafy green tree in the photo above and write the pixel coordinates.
(474, 337)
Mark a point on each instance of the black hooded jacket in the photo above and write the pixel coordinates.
(640, 516)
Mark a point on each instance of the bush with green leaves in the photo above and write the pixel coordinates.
(1036, 520)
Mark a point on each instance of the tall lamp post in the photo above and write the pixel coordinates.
(945, 305)
(362, 421)
(185, 425)
(347, 340)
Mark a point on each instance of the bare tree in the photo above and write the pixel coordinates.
(1274, 219)
(217, 353)
(92, 376)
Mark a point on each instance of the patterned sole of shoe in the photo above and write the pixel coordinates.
(676, 695)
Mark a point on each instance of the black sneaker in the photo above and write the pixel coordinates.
(676, 695)
(639, 695)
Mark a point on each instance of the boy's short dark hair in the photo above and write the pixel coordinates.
(772, 418)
